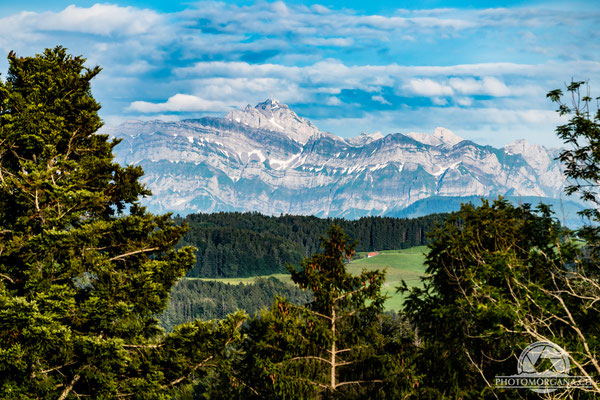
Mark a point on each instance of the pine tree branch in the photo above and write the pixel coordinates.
(182, 378)
(45, 371)
(350, 293)
(8, 278)
(142, 346)
(348, 314)
(121, 256)
(348, 349)
(311, 311)
(358, 382)
(69, 387)
(321, 385)
(305, 358)
(480, 372)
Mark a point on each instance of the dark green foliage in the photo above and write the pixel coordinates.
(502, 277)
(582, 159)
(196, 299)
(492, 271)
(250, 244)
(338, 346)
(80, 281)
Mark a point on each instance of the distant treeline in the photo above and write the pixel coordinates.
(192, 299)
(233, 244)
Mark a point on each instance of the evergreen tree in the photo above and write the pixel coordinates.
(501, 277)
(334, 347)
(84, 268)
(466, 313)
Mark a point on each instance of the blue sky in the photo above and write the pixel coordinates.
(349, 66)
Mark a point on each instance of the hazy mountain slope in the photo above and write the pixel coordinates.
(566, 210)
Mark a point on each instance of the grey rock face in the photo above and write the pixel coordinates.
(275, 116)
(267, 159)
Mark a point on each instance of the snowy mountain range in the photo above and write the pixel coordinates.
(268, 159)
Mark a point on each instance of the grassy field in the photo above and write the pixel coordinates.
(234, 281)
(404, 264)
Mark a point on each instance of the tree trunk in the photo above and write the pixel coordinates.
(333, 358)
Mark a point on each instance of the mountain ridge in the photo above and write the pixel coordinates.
(268, 159)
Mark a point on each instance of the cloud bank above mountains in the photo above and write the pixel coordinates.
(481, 72)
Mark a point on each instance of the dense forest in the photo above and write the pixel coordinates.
(192, 299)
(85, 272)
(250, 244)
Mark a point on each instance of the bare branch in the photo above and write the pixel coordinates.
(45, 371)
(69, 387)
(182, 378)
(8, 278)
(121, 256)
(480, 371)
(142, 346)
(305, 358)
(359, 382)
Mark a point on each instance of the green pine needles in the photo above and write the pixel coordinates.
(81, 281)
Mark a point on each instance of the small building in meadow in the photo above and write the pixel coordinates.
(373, 254)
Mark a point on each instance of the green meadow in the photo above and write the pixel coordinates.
(406, 264)
(235, 281)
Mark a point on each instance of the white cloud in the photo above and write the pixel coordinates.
(428, 88)
(102, 19)
(439, 101)
(333, 101)
(99, 19)
(491, 126)
(464, 101)
(320, 9)
(236, 69)
(334, 41)
(335, 70)
(217, 55)
(380, 99)
(277, 18)
(487, 86)
(243, 90)
(332, 76)
(179, 103)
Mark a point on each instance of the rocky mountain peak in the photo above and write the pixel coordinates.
(440, 136)
(275, 116)
(365, 138)
(446, 136)
(271, 105)
(373, 136)
(535, 154)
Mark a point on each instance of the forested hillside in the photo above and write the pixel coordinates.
(197, 299)
(249, 244)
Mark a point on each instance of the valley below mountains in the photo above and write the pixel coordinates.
(268, 159)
